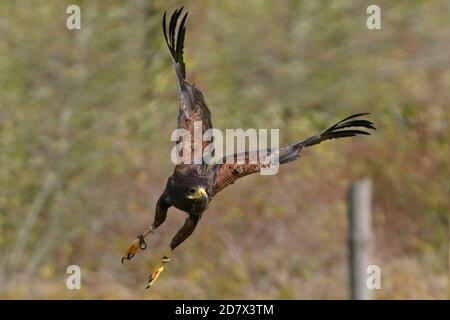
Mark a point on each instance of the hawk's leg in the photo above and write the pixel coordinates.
(139, 242)
(182, 234)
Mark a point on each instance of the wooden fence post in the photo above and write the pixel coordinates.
(360, 237)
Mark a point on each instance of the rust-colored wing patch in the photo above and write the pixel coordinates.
(238, 166)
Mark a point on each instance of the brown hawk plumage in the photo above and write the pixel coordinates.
(194, 182)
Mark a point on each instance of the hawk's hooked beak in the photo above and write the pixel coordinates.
(199, 194)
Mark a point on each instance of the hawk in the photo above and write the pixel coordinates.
(193, 185)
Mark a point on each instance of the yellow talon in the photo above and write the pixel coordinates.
(135, 245)
(132, 250)
(155, 274)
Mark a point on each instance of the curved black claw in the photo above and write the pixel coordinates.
(129, 256)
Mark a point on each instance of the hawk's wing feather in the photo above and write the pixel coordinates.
(252, 162)
(241, 165)
(193, 106)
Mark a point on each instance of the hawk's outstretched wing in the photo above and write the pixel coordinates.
(243, 164)
(237, 166)
(193, 107)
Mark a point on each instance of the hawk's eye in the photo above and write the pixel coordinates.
(191, 191)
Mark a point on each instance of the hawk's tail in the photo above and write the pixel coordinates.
(344, 128)
(175, 41)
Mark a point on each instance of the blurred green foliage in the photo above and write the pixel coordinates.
(86, 117)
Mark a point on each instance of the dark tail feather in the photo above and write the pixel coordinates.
(291, 152)
(175, 42)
